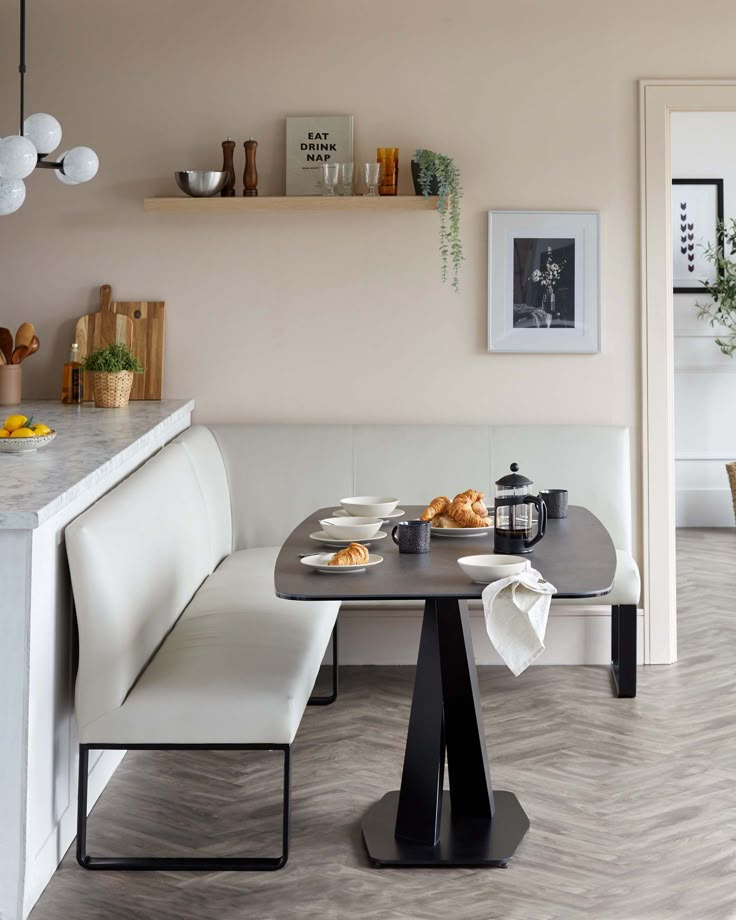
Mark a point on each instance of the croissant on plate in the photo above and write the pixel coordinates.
(354, 554)
(435, 507)
(463, 511)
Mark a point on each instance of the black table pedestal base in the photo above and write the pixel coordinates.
(462, 841)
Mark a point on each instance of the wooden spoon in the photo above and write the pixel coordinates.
(6, 343)
(34, 346)
(24, 334)
(19, 353)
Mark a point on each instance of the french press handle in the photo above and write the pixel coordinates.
(541, 507)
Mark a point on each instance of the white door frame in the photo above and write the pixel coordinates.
(658, 99)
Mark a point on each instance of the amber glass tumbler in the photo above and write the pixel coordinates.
(388, 157)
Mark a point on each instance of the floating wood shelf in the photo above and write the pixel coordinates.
(290, 203)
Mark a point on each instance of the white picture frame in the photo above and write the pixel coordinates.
(559, 311)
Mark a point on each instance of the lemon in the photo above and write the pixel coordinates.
(22, 433)
(41, 429)
(14, 421)
(4, 433)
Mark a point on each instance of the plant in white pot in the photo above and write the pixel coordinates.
(113, 367)
(437, 174)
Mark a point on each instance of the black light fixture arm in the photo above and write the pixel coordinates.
(22, 64)
(44, 164)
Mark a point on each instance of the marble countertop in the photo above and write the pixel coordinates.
(89, 444)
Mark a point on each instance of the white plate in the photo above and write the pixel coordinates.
(321, 537)
(321, 563)
(462, 531)
(341, 512)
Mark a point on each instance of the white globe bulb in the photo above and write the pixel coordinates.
(80, 164)
(17, 157)
(12, 195)
(43, 131)
(64, 179)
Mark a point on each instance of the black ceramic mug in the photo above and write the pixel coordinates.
(412, 536)
(556, 502)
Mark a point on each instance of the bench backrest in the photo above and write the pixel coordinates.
(137, 557)
(280, 473)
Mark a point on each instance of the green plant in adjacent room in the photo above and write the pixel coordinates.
(112, 359)
(722, 311)
(443, 170)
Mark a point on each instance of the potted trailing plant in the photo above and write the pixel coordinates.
(113, 368)
(722, 311)
(437, 174)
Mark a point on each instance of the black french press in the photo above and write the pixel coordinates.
(513, 523)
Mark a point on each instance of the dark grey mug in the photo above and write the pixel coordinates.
(556, 502)
(412, 536)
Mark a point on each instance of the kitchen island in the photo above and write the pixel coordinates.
(40, 493)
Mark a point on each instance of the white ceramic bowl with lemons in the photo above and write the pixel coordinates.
(21, 434)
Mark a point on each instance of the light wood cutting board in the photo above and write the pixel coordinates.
(96, 330)
(147, 317)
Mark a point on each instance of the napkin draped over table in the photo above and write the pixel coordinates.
(516, 610)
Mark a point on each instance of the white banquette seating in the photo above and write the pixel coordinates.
(182, 641)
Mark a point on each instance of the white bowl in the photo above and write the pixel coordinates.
(369, 505)
(351, 528)
(25, 445)
(485, 569)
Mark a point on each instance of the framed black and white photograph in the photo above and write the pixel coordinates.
(697, 210)
(543, 290)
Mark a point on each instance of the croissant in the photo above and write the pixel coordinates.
(480, 508)
(435, 507)
(461, 509)
(354, 554)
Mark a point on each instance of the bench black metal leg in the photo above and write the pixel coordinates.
(623, 650)
(326, 700)
(195, 863)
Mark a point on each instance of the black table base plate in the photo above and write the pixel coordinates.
(463, 841)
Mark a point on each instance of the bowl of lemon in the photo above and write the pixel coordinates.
(21, 434)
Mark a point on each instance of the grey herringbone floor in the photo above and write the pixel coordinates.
(632, 802)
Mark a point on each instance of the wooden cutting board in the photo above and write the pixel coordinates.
(147, 317)
(96, 330)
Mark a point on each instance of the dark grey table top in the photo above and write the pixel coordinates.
(577, 556)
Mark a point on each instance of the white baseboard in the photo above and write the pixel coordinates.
(704, 508)
(575, 635)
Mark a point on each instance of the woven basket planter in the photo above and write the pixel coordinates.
(112, 391)
(731, 470)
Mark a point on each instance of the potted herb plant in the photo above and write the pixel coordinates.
(113, 368)
(437, 174)
(722, 310)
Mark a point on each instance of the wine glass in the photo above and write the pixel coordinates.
(330, 175)
(346, 178)
(372, 175)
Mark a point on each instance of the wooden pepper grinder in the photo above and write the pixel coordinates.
(228, 149)
(250, 176)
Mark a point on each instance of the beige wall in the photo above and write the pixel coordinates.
(269, 313)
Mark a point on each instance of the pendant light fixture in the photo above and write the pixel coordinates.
(40, 135)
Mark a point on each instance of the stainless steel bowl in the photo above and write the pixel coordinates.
(200, 183)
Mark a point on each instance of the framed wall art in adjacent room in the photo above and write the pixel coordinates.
(544, 281)
(697, 212)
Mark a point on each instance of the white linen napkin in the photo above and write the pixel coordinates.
(516, 610)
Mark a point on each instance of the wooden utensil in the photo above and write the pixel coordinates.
(24, 334)
(148, 318)
(96, 330)
(6, 344)
(34, 346)
(20, 352)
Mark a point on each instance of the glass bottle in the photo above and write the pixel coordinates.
(71, 381)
